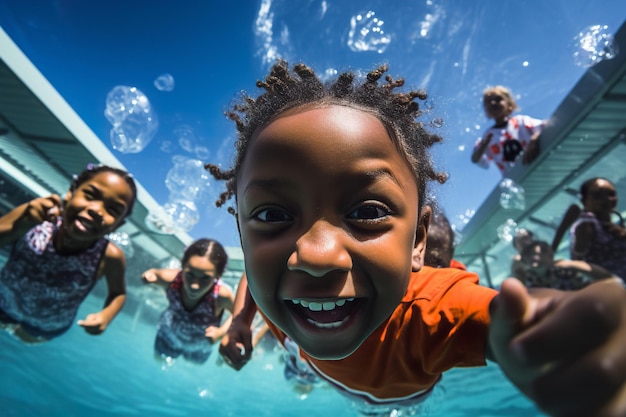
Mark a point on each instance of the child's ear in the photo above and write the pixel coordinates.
(421, 232)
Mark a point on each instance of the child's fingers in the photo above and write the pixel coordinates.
(584, 385)
(576, 324)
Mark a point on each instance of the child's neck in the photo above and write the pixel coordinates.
(65, 244)
(501, 122)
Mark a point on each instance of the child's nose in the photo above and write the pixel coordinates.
(320, 250)
(96, 211)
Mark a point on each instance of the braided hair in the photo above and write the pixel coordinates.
(286, 89)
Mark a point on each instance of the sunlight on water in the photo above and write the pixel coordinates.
(115, 375)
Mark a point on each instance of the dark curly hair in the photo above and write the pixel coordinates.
(92, 170)
(286, 89)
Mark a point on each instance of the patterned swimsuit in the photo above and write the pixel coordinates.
(41, 289)
(182, 331)
(606, 250)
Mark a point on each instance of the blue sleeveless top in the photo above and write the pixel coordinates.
(184, 330)
(42, 289)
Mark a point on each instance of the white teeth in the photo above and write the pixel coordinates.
(313, 306)
(326, 305)
(332, 325)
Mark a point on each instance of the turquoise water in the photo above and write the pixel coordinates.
(115, 374)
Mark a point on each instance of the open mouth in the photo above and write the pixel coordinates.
(84, 225)
(325, 314)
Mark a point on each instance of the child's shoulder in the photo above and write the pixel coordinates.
(433, 283)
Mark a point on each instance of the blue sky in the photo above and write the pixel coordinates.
(214, 50)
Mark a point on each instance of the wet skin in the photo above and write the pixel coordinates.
(323, 197)
(97, 207)
(199, 276)
(602, 198)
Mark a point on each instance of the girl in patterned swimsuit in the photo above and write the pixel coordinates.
(595, 238)
(59, 251)
(197, 300)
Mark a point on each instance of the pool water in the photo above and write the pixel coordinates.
(116, 374)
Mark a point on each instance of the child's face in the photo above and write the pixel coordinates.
(97, 207)
(327, 212)
(601, 197)
(497, 106)
(538, 258)
(199, 275)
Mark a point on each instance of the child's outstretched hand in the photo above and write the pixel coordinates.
(212, 333)
(564, 350)
(94, 323)
(236, 345)
(149, 276)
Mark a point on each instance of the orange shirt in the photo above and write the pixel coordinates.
(441, 323)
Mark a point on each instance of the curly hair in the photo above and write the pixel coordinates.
(286, 89)
(92, 170)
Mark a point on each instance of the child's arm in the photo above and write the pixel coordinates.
(225, 301)
(236, 345)
(570, 216)
(564, 350)
(22, 218)
(114, 269)
(593, 271)
(481, 148)
(159, 276)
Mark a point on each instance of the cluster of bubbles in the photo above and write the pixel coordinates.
(512, 195)
(367, 34)
(134, 122)
(592, 45)
(164, 82)
(188, 182)
(123, 241)
(507, 230)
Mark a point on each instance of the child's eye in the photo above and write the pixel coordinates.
(369, 212)
(272, 215)
(116, 211)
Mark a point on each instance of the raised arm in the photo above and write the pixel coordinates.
(236, 345)
(114, 269)
(159, 276)
(568, 220)
(22, 218)
(481, 148)
(225, 301)
(592, 271)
